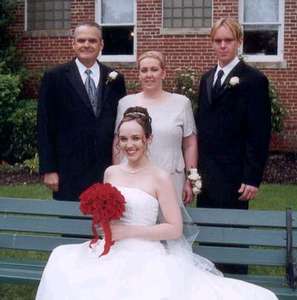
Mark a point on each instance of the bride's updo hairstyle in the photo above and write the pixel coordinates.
(152, 54)
(141, 116)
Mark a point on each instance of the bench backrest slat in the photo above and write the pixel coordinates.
(34, 242)
(243, 236)
(47, 225)
(39, 207)
(251, 256)
(239, 217)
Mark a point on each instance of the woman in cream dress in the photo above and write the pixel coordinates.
(174, 143)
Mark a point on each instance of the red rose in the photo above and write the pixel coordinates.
(104, 203)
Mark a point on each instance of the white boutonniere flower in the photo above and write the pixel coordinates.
(112, 76)
(234, 81)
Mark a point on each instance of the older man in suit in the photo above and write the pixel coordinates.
(76, 115)
(234, 124)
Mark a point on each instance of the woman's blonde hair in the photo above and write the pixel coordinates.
(153, 54)
(230, 23)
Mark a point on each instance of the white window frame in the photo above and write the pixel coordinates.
(280, 43)
(118, 58)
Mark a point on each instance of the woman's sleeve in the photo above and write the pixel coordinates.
(188, 119)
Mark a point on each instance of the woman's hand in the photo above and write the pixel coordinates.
(119, 232)
(187, 192)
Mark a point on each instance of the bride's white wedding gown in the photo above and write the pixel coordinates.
(136, 269)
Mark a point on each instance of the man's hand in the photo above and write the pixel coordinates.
(248, 192)
(51, 180)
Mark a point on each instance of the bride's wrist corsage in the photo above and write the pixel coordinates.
(195, 180)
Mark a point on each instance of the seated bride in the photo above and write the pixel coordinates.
(149, 259)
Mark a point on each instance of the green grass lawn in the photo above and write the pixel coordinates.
(35, 191)
(270, 197)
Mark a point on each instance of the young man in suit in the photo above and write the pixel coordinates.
(76, 115)
(234, 124)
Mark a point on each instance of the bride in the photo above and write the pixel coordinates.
(139, 266)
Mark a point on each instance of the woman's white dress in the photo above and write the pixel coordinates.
(136, 269)
(172, 120)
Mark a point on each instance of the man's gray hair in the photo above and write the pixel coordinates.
(88, 24)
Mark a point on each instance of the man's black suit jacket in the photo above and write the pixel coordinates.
(72, 140)
(233, 134)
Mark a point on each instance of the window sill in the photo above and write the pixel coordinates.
(183, 31)
(118, 58)
(268, 64)
(117, 65)
(49, 33)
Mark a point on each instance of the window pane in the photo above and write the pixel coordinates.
(261, 11)
(188, 23)
(44, 14)
(177, 12)
(177, 23)
(187, 13)
(167, 13)
(167, 23)
(188, 3)
(117, 11)
(167, 3)
(177, 3)
(260, 40)
(198, 3)
(118, 40)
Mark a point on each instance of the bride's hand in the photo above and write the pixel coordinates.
(119, 232)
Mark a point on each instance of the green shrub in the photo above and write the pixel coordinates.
(278, 112)
(186, 83)
(10, 56)
(9, 91)
(32, 164)
(23, 135)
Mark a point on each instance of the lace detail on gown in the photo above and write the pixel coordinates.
(136, 268)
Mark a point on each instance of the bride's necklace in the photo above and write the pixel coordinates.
(134, 171)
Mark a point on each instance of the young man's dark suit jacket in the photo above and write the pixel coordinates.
(73, 141)
(233, 135)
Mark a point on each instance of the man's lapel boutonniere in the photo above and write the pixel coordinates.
(111, 77)
(234, 81)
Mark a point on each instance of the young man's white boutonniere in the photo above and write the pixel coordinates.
(233, 81)
(112, 76)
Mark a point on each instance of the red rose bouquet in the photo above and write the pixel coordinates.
(104, 203)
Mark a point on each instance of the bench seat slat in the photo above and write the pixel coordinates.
(273, 281)
(20, 275)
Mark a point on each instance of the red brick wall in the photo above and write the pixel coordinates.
(191, 50)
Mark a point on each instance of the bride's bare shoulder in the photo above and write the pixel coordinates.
(161, 175)
(110, 171)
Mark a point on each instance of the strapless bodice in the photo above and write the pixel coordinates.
(141, 208)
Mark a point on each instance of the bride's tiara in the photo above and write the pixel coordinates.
(135, 113)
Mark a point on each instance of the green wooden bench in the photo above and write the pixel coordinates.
(28, 225)
(270, 235)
